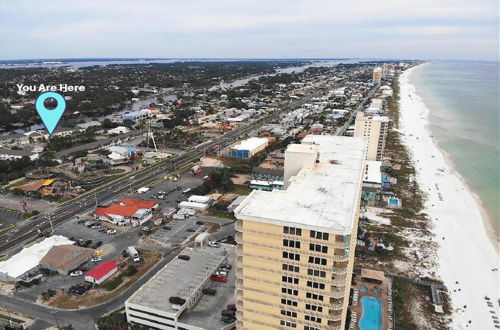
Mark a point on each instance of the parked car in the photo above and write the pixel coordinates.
(111, 231)
(219, 278)
(84, 268)
(209, 291)
(221, 272)
(227, 312)
(228, 319)
(177, 300)
(183, 257)
(199, 222)
(96, 259)
(167, 227)
(191, 230)
(231, 307)
(76, 273)
(146, 229)
(227, 266)
(214, 244)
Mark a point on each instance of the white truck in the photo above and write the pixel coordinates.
(132, 252)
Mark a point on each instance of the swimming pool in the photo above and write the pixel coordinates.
(371, 319)
(363, 288)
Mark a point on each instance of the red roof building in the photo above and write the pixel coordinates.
(101, 272)
(127, 210)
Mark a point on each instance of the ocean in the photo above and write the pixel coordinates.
(464, 115)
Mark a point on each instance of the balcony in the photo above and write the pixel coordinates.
(337, 293)
(337, 244)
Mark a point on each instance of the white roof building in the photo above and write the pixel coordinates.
(29, 258)
(373, 174)
(323, 176)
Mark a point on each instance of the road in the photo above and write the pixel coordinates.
(83, 319)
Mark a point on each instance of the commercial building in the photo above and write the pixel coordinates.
(151, 305)
(138, 115)
(295, 247)
(20, 265)
(65, 258)
(101, 272)
(377, 76)
(249, 147)
(374, 130)
(127, 211)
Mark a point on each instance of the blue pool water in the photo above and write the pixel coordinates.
(363, 288)
(393, 201)
(372, 314)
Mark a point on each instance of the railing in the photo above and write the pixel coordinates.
(287, 307)
(294, 274)
(302, 300)
(340, 258)
(338, 245)
(291, 319)
(334, 270)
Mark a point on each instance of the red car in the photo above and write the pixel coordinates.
(219, 278)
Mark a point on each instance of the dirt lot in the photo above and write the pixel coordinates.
(98, 295)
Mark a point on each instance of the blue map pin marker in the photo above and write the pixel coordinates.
(50, 118)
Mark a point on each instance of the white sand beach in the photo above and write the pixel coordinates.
(467, 255)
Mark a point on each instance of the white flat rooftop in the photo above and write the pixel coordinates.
(373, 174)
(31, 256)
(250, 144)
(323, 197)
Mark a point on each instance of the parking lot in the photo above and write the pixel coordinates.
(8, 217)
(95, 235)
(207, 312)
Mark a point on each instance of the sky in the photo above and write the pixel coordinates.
(417, 29)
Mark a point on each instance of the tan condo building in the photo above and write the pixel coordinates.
(295, 247)
(377, 76)
(374, 130)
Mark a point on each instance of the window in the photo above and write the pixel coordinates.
(289, 279)
(317, 260)
(292, 292)
(291, 243)
(314, 296)
(290, 268)
(307, 327)
(314, 308)
(288, 313)
(316, 285)
(313, 318)
(292, 231)
(289, 302)
(288, 324)
(291, 256)
(318, 248)
(315, 272)
(319, 235)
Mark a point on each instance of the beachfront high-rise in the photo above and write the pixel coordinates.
(374, 130)
(295, 247)
(377, 75)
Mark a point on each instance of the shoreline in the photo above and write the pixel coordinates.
(467, 254)
(486, 215)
